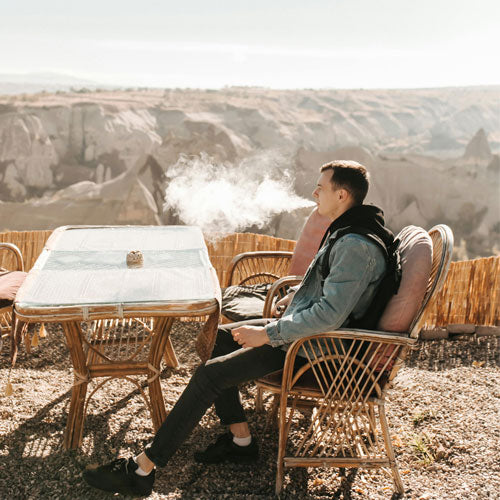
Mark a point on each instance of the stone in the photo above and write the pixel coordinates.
(107, 175)
(494, 165)
(123, 200)
(12, 183)
(441, 453)
(460, 336)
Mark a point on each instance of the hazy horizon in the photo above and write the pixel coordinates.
(78, 82)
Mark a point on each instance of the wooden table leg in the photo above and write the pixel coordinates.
(206, 338)
(161, 341)
(76, 416)
(169, 355)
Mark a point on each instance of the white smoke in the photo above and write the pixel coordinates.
(225, 198)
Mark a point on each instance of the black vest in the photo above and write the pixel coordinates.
(389, 284)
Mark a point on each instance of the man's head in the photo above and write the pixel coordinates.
(341, 185)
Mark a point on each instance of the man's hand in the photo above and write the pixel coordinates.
(250, 336)
(280, 306)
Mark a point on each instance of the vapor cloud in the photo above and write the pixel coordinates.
(224, 198)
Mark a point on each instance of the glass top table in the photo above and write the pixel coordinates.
(117, 319)
(82, 273)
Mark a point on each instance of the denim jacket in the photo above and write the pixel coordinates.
(357, 266)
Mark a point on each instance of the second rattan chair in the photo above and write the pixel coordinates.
(250, 274)
(10, 281)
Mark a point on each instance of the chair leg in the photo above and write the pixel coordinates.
(283, 437)
(259, 405)
(390, 451)
(273, 414)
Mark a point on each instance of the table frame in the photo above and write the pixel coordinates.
(84, 367)
(85, 371)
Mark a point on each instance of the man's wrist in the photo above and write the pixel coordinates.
(265, 336)
(273, 335)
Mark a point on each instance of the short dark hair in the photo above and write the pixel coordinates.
(351, 176)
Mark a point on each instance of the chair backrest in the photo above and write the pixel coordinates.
(415, 247)
(308, 243)
(425, 258)
(442, 246)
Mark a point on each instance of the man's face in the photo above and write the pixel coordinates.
(327, 196)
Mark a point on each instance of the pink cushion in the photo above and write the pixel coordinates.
(10, 283)
(416, 263)
(308, 243)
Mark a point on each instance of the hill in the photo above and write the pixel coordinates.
(428, 150)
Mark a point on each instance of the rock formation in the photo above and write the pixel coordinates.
(494, 165)
(122, 200)
(426, 191)
(101, 157)
(478, 150)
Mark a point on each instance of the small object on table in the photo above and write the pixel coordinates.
(135, 258)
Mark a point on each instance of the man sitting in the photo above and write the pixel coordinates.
(355, 266)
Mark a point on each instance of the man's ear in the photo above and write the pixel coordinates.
(344, 195)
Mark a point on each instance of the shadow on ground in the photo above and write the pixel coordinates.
(445, 354)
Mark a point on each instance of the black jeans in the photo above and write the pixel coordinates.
(215, 382)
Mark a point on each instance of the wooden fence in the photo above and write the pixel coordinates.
(30, 243)
(471, 293)
(220, 251)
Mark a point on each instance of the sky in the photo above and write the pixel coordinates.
(272, 43)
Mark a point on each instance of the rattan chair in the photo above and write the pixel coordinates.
(253, 268)
(265, 267)
(344, 384)
(6, 305)
(247, 274)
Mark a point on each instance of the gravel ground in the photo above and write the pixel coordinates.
(443, 412)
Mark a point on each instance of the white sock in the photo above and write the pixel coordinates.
(242, 441)
(139, 471)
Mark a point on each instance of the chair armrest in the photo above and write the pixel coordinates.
(258, 267)
(368, 335)
(278, 290)
(382, 352)
(15, 250)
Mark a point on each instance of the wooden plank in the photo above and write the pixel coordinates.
(434, 334)
(373, 463)
(460, 329)
(484, 331)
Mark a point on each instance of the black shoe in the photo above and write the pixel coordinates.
(224, 450)
(119, 477)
